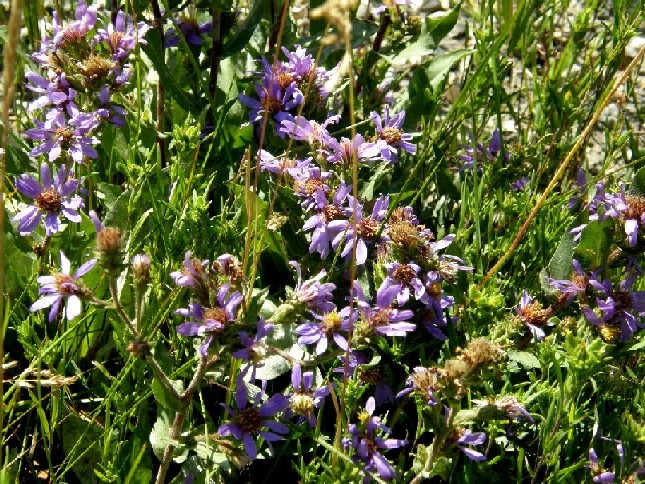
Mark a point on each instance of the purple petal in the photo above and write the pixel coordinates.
(473, 454)
(249, 446)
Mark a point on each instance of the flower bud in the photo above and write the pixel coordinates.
(138, 348)
(108, 240)
(141, 269)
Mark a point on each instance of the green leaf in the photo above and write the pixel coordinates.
(638, 185)
(595, 243)
(164, 397)
(432, 32)
(560, 264)
(81, 441)
(525, 359)
(160, 435)
(108, 193)
(239, 40)
(438, 68)
(153, 49)
(117, 215)
(367, 192)
(272, 367)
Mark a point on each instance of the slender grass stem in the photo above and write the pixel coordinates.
(563, 167)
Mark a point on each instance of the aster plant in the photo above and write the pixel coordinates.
(349, 303)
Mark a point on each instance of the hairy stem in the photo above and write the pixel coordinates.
(175, 430)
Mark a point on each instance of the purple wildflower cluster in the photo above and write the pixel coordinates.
(605, 298)
(601, 474)
(84, 65)
(217, 301)
(367, 443)
(288, 87)
(475, 156)
(615, 309)
(626, 209)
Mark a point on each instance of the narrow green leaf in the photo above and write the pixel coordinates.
(239, 40)
(156, 55)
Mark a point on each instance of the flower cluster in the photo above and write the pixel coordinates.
(287, 88)
(217, 301)
(84, 65)
(367, 442)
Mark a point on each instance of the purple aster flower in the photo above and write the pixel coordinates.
(631, 210)
(195, 274)
(319, 333)
(57, 93)
(388, 129)
(51, 199)
(252, 351)
(445, 265)
(381, 319)
(208, 321)
(308, 179)
(71, 139)
(327, 212)
(122, 36)
(77, 30)
(577, 286)
(191, 29)
(620, 307)
(304, 398)
(249, 420)
(316, 296)
(423, 382)
(302, 129)
(365, 231)
(272, 99)
(490, 153)
(345, 150)
(533, 315)
(600, 475)
(366, 442)
(464, 437)
(300, 65)
(433, 317)
(63, 286)
(300, 71)
(520, 184)
(405, 277)
(601, 205)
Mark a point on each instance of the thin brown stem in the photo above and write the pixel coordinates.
(178, 422)
(563, 167)
(162, 376)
